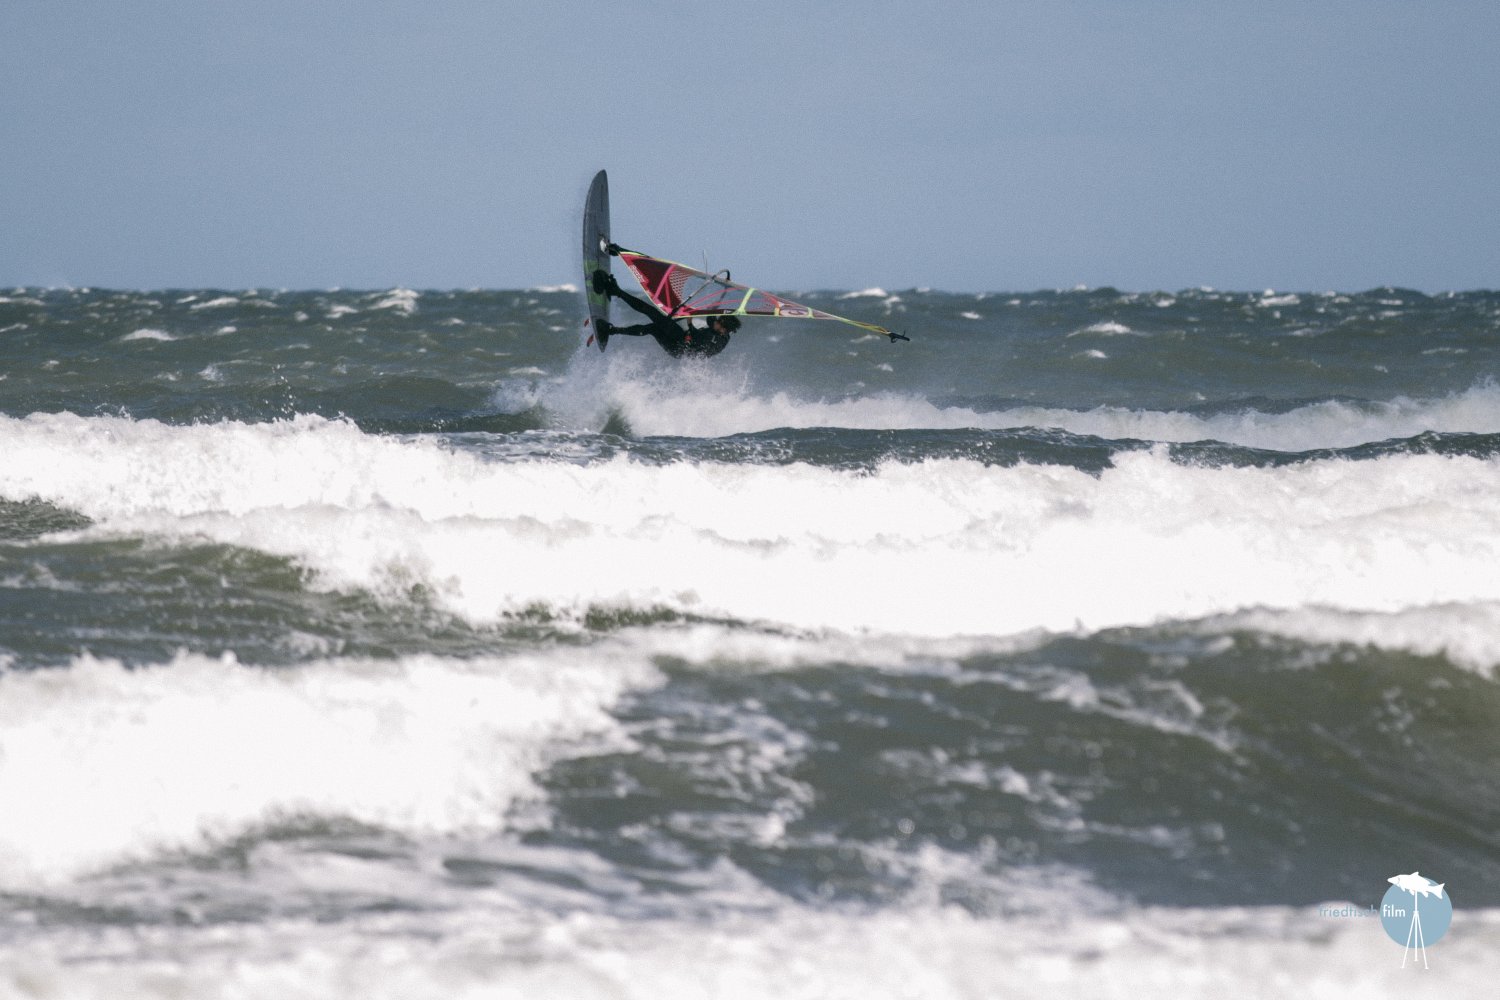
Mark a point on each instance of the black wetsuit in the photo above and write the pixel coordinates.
(673, 338)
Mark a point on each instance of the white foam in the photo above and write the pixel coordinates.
(1315, 426)
(402, 300)
(1306, 428)
(101, 765)
(1272, 300)
(936, 548)
(218, 303)
(148, 334)
(1467, 634)
(704, 401)
(1106, 328)
(777, 952)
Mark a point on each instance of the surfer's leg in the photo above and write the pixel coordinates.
(644, 308)
(639, 330)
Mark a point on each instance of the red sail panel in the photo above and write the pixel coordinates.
(679, 290)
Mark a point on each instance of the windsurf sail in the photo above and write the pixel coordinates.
(682, 291)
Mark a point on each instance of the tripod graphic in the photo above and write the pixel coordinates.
(1418, 886)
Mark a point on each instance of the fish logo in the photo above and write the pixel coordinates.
(1415, 883)
(1415, 912)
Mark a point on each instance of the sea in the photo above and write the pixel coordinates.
(402, 644)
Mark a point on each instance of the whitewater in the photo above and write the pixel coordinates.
(937, 547)
(399, 643)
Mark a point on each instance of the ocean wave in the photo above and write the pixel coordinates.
(936, 547)
(1106, 328)
(696, 401)
(1329, 424)
(778, 950)
(220, 302)
(1465, 633)
(402, 300)
(101, 765)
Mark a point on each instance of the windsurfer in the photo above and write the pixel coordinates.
(675, 338)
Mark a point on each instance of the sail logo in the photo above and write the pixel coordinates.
(1415, 912)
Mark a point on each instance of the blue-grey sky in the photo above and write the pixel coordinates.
(967, 146)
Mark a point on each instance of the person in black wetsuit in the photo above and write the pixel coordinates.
(681, 340)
